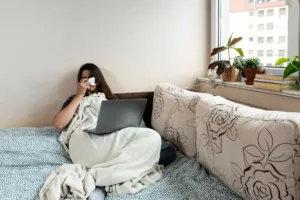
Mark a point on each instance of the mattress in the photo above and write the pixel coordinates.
(29, 155)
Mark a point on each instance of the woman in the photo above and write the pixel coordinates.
(64, 117)
(88, 70)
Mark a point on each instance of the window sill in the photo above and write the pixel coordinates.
(242, 85)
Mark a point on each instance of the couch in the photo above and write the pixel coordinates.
(254, 152)
(225, 150)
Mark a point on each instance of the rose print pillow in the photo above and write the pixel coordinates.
(253, 151)
(174, 116)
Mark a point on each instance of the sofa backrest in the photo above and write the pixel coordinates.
(253, 151)
(173, 116)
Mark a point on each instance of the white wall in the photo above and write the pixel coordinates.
(137, 44)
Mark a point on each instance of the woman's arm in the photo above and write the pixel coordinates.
(63, 118)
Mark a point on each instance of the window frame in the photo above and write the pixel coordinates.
(283, 41)
(261, 11)
(281, 50)
(260, 27)
(280, 13)
(271, 40)
(272, 25)
(258, 40)
(258, 55)
(220, 16)
(271, 54)
(269, 11)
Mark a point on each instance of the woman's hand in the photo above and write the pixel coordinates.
(82, 87)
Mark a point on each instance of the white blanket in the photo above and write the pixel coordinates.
(125, 162)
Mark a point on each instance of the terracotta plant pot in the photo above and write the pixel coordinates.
(250, 74)
(231, 74)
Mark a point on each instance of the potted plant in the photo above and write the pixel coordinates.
(252, 66)
(292, 67)
(225, 68)
(239, 63)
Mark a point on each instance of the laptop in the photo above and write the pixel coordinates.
(115, 115)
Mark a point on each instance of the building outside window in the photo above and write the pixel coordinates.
(260, 53)
(261, 13)
(270, 12)
(281, 53)
(282, 11)
(261, 27)
(269, 40)
(260, 40)
(269, 53)
(260, 1)
(281, 39)
(269, 26)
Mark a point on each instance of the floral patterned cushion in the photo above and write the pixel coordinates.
(173, 116)
(254, 152)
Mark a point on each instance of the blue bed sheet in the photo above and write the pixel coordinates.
(29, 155)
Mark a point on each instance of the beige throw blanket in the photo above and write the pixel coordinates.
(125, 162)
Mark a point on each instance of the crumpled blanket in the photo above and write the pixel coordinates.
(125, 162)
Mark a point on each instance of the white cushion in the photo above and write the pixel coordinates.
(253, 151)
(173, 116)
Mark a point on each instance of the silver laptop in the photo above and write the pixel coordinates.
(115, 115)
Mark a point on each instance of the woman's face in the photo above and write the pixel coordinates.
(86, 75)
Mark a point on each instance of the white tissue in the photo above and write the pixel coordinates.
(92, 81)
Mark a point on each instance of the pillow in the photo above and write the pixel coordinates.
(173, 116)
(253, 151)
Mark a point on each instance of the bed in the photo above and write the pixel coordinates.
(29, 155)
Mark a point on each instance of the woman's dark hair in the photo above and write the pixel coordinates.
(99, 79)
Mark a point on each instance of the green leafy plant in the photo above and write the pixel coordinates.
(253, 63)
(239, 62)
(223, 64)
(293, 65)
(242, 63)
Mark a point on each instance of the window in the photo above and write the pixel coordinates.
(278, 34)
(270, 1)
(260, 40)
(269, 53)
(261, 13)
(281, 53)
(270, 12)
(282, 11)
(269, 40)
(250, 1)
(250, 52)
(281, 39)
(260, 1)
(270, 26)
(260, 53)
(261, 27)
